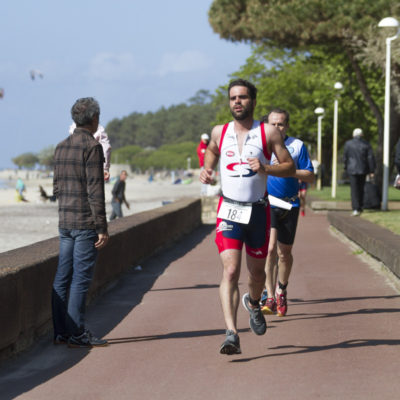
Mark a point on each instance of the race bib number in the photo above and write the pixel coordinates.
(235, 212)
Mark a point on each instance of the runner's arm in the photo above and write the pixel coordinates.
(305, 175)
(285, 166)
(305, 169)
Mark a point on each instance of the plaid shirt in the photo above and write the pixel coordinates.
(78, 182)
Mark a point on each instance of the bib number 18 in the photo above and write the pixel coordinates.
(235, 212)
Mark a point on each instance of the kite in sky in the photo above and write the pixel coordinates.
(35, 73)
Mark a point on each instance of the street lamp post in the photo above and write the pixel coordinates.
(338, 86)
(388, 22)
(320, 112)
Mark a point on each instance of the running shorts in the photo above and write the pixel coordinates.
(255, 234)
(285, 222)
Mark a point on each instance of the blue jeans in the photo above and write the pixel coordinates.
(74, 274)
(116, 210)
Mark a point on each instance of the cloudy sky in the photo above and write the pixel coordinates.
(130, 55)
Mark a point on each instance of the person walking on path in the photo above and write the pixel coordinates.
(118, 196)
(78, 184)
(303, 186)
(243, 147)
(359, 161)
(397, 157)
(283, 221)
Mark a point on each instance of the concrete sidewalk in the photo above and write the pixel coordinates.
(340, 339)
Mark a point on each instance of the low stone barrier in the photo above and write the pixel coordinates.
(378, 242)
(27, 273)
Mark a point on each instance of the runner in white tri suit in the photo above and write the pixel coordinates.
(243, 152)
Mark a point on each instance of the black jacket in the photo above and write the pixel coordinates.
(397, 156)
(358, 157)
(118, 191)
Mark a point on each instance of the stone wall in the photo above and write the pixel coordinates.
(26, 274)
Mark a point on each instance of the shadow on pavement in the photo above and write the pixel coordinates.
(172, 335)
(45, 360)
(348, 344)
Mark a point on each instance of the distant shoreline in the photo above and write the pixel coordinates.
(5, 184)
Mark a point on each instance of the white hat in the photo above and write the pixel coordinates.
(357, 132)
(204, 136)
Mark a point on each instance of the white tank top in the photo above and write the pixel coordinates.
(238, 181)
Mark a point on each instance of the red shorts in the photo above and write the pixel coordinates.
(255, 234)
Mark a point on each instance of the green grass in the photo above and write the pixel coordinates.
(387, 219)
(343, 193)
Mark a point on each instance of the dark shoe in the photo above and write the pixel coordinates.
(86, 340)
(257, 320)
(61, 339)
(231, 344)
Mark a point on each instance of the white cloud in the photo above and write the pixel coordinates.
(109, 66)
(191, 60)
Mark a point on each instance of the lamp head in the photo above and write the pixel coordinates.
(338, 86)
(319, 111)
(388, 22)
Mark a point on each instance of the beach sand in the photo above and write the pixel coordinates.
(24, 223)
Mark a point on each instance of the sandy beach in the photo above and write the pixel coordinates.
(24, 223)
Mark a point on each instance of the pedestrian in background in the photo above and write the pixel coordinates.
(78, 184)
(359, 161)
(201, 150)
(118, 196)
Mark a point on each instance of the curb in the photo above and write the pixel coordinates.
(375, 240)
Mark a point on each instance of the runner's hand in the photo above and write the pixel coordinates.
(255, 165)
(206, 175)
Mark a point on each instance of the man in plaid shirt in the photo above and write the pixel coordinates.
(78, 185)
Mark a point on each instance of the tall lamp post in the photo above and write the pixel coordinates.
(338, 86)
(320, 112)
(388, 22)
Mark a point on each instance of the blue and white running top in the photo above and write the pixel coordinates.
(238, 181)
(288, 188)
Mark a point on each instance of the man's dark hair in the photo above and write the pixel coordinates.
(242, 82)
(85, 110)
(276, 110)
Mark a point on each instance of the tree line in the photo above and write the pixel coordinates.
(300, 48)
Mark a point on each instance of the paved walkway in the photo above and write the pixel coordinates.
(340, 339)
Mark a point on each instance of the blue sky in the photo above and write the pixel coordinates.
(132, 56)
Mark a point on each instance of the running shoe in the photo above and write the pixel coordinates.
(302, 213)
(61, 339)
(86, 340)
(264, 297)
(269, 307)
(231, 344)
(281, 304)
(257, 320)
